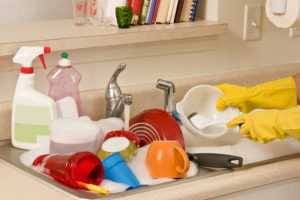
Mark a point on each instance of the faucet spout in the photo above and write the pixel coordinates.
(113, 94)
(116, 74)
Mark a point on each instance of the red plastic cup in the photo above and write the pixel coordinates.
(69, 169)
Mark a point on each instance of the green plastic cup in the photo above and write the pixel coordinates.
(124, 16)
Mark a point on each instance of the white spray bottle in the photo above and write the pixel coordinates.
(32, 111)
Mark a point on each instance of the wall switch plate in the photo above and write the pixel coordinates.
(294, 31)
(252, 22)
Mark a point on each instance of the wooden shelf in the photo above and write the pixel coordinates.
(63, 35)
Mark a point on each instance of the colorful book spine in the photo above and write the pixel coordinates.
(189, 10)
(155, 11)
(194, 10)
(150, 12)
(136, 6)
(144, 12)
(179, 11)
(174, 11)
(163, 11)
(170, 11)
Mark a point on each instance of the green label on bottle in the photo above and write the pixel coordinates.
(31, 122)
(28, 133)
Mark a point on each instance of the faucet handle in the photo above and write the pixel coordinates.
(127, 99)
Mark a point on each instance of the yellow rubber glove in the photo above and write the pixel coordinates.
(279, 94)
(268, 125)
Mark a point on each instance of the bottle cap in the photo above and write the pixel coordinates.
(64, 61)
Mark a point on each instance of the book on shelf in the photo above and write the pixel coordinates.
(195, 10)
(136, 6)
(189, 11)
(155, 11)
(163, 11)
(151, 11)
(178, 11)
(144, 12)
(170, 11)
(174, 9)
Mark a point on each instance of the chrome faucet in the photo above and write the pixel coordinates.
(169, 88)
(113, 95)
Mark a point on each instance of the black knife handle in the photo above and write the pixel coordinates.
(217, 160)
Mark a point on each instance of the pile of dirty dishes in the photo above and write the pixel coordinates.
(81, 155)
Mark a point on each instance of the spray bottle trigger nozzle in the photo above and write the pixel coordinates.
(42, 60)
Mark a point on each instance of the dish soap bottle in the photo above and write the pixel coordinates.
(32, 111)
(64, 80)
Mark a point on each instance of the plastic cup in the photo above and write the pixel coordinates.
(69, 169)
(118, 171)
(124, 16)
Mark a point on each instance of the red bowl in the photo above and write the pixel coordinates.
(127, 134)
(156, 124)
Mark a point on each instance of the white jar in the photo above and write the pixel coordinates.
(74, 135)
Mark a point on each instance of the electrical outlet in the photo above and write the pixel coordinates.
(252, 22)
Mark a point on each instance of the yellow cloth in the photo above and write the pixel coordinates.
(278, 94)
(268, 125)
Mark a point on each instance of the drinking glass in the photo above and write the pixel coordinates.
(80, 12)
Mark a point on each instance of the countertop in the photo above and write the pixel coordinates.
(16, 184)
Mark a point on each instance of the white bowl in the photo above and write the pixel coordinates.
(202, 100)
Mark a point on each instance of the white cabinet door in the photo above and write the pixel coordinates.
(288, 190)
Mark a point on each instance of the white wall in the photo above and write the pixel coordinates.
(13, 11)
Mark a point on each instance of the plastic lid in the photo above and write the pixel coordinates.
(64, 60)
(64, 55)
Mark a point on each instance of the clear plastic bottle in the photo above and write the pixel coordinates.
(64, 80)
